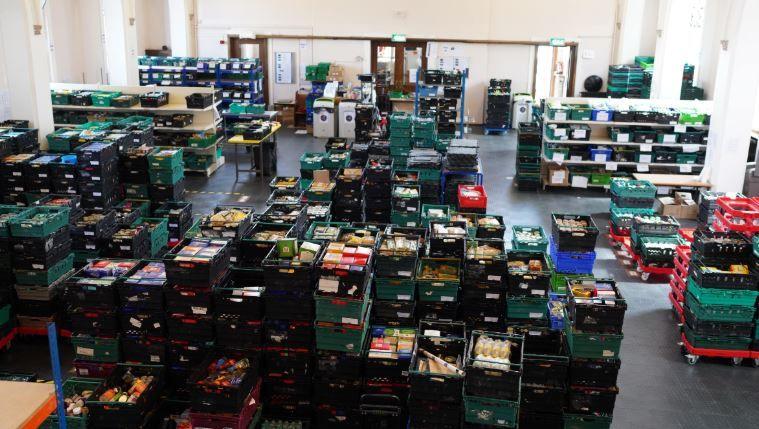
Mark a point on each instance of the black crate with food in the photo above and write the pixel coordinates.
(596, 305)
(396, 256)
(388, 355)
(420, 232)
(289, 361)
(588, 400)
(288, 333)
(154, 99)
(379, 168)
(131, 242)
(437, 311)
(484, 293)
(197, 262)
(490, 226)
(95, 224)
(494, 365)
(655, 225)
(437, 366)
(285, 305)
(139, 385)
(259, 241)
(178, 213)
(447, 239)
(290, 264)
(244, 301)
(529, 274)
(574, 233)
(26, 259)
(536, 397)
(187, 353)
(222, 382)
(143, 288)
(227, 221)
(333, 363)
(337, 391)
(485, 262)
(712, 245)
(393, 313)
(483, 315)
(144, 349)
(546, 355)
(95, 322)
(236, 332)
(190, 327)
(294, 214)
(344, 267)
(598, 373)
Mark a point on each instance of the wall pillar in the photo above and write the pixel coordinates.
(120, 30)
(670, 55)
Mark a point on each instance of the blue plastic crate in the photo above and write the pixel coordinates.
(602, 114)
(572, 262)
(603, 152)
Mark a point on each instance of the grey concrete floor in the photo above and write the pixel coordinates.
(658, 389)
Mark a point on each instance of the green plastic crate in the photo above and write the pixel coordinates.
(310, 233)
(165, 158)
(394, 289)
(540, 244)
(12, 212)
(429, 174)
(104, 98)
(586, 421)
(95, 126)
(60, 98)
(60, 140)
(720, 313)
(340, 337)
(334, 162)
(202, 141)
(491, 412)
(426, 218)
(714, 342)
(95, 348)
(686, 158)
(45, 277)
(312, 160)
(691, 117)
(580, 112)
(166, 177)
(591, 345)
(405, 218)
(22, 225)
(550, 151)
(708, 296)
(633, 188)
(72, 386)
(622, 217)
(340, 309)
(600, 179)
(5, 314)
(438, 290)
(526, 308)
(559, 281)
(558, 113)
(312, 195)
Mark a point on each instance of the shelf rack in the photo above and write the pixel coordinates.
(599, 137)
(461, 105)
(204, 120)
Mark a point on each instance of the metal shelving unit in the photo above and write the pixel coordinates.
(461, 103)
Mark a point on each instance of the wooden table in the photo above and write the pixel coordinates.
(239, 140)
(25, 405)
(674, 180)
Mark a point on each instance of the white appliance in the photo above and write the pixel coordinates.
(347, 119)
(522, 110)
(324, 117)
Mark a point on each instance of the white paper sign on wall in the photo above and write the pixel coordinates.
(283, 67)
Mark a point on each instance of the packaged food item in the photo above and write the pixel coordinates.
(492, 353)
(129, 390)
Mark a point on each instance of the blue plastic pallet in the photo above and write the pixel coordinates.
(572, 262)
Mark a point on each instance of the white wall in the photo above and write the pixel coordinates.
(637, 33)
(152, 18)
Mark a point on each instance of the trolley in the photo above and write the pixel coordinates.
(381, 412)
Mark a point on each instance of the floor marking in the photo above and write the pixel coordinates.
(216, 193)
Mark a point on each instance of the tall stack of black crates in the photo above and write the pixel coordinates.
(498, 110)
(133, 173)
(348, 204)
(378, 186)
(97, 165)
(529, 142)
(429, 163)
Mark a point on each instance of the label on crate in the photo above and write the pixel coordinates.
(16, 173)
(403, 315)
(134, 322)
(438, 284)
(96, 178)
(403, 297)
(238, 292)
(575, 158)
(492, 295)
(623, 138)
(155, 358)
(230, 234)
(96, 194)
(95, 162)
(690, 148)
(579, 182)
(534, 333)
(579, 134)
(349, 320)
(173, 225)
(491, 319)
(411, 209)
(494, 278)
(431, 333)
(199, 310)
(680, 128)
(446, 298)
(410, 223)
(38, 266)
(536, 315)
(611, 166)
(642, 168)
(645, 158)
(85, 351)
(157, 325)
(560, 116)
(89, 233)
(125, 247)
(43, 175)
(17, 189)
(328, 285)
(68, 176)
(557, 157)
(599, 157)
(233, 259)
(602, 116)
(89, 246)
(404, 273)
(669, 138)
(686, 168)
(608, 353)
(538, 292)
(645, 148)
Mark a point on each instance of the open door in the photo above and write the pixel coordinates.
(252, 48)
(554, 71)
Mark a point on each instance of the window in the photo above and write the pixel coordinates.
(399, 61)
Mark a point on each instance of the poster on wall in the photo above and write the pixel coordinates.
(283, 67)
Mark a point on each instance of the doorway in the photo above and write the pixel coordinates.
(399, 61)
(252, 48)
(554, 72)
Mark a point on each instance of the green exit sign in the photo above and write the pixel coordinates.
(398, 38)
(556, 41)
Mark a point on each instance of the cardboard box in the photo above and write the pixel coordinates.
(667, 206)
(558, 175)
(286, 114)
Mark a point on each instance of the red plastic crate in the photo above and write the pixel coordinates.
(477, 202)
(687, 234)
(739, 212)
(728, 222)
(230, 421)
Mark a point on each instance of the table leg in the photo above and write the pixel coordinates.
(237, 166)
(261, 159)
(252, 160)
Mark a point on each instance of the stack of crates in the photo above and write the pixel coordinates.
(395, 278)
(179, 215)
(195, 267)
(593, 322)
(91, 234)
(13, 183)
(424, 131)
(378, 188)
(528, 156)
(572, 248)
(498, 111)
(134, 173)
(529, 286)
(625, 81)
(628, 199)
(348, 204)
(7, 320)
(406, 208)
(166, 172)
(400, 137)
(41, 257)
(16, 137)
(310, 162)
(92, 305)
(289, 328)
(428, 162)
(483, 284)
(529, 237)
(654, 238)
(63, 175)
(228, 222)
(343, 311)
(647, 64)
(97, 165)
(38, 178)
(689, 91)
(435, 392)
(491, 387)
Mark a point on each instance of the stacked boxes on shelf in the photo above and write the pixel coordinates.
(571, 245)
(528, 156)
(498, 110)
(378, 188)
(166, 172)
(428, 162)
(97, 321)
(41, 258)
(593, 325)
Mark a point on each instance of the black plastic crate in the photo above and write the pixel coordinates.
(246, 302)
(190, 327)
(332, 363)
(438, 311)
(254, 250)
(342, 391)
(392, 263)
(283, 305)
(429, 412)
(711, 245)
(393, 313)
(598, 373)
(484, 270)
(190, 300)
(138, 292)
(432, 386)
(295, 386)
(199, 100)
(187, 353)
(535, 284)
(232, 230)
(95, 322)
(178, 213)
(337, 416)
(449, 243)
(536, 397)
(590, 401)
(489, 379)
(288, 361)
(138, 322)
(130, 243)
(724, 279)
(141, 349)
(204, 272)
(710, 328)
(596, 314)
(154, 99)
(287, 274)
(161, 193)
(221, 398)
(288, 333)
(236, 332)
(125, 414)
(574, 239)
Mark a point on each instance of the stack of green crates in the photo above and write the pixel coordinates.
(342, 322)
(165, 166)
(395, 274)
(318, 72)
(310, 162)
(625, 81)
(159, 234)
(424, 131)
(528, 162)
(406, 209)
(400, 137)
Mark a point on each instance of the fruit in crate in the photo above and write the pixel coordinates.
(227, 218)
(484, 251)
(488, 221)
(493, 353)
(398, 245)
(528, 235)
